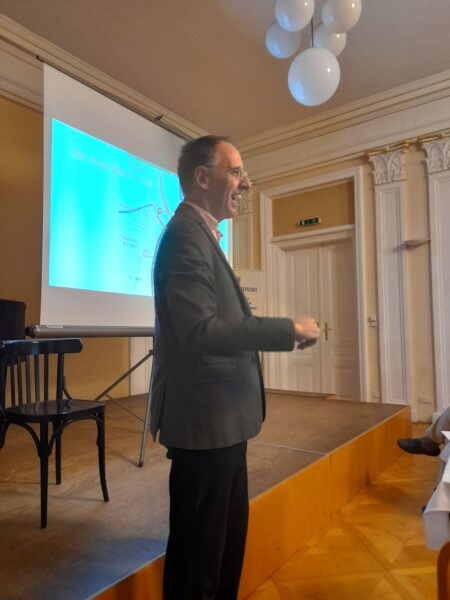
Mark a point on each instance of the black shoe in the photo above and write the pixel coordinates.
(415, 446)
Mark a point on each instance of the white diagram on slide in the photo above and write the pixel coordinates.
(141, 224)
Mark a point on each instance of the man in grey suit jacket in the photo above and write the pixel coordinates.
(207, 390)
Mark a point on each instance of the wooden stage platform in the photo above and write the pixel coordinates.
(312, 455)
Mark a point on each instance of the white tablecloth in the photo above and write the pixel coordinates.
(436, 517)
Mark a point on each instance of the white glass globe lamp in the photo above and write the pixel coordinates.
(281, 43)
(340, 16)
(314, 76)
(324, 38)
(294, 15)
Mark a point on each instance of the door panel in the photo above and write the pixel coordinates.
(338, 311)
(321, 283)
(303, 366)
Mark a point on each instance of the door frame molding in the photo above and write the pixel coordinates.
(273, 263)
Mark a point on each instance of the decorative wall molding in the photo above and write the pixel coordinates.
(392, 101)
(352, 140)
(438, 155)
(439, 211)
(242, 227)
(390, 193)
(438, 168)
(305, 238)
(243, 235)
(21, 56)
(388, 166)
(246, 203)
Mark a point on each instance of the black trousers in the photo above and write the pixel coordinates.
(208, 523)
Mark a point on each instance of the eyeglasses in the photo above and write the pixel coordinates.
(236, 172)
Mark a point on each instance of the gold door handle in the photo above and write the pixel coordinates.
(326, 330)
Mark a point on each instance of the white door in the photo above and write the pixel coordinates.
(321, 282)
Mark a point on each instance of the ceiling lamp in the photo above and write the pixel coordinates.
(314, 74)
(324, 38)
(341, 15)
(281, 43)
(294, 15)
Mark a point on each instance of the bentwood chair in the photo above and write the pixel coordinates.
(25, 368)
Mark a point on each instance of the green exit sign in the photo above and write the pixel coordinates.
(311, 221)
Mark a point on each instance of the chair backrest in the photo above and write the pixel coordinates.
(26, 364)
(443, 572)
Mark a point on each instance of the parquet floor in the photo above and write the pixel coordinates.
(373, 550)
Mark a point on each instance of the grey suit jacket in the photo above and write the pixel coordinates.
(207, 389)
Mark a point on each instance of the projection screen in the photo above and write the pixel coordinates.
(110, 186)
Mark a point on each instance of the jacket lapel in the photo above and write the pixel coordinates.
(185, 211)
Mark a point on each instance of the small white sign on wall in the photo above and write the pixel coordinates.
(253, 285)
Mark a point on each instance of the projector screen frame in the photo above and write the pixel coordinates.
(86, 331)
(156, 119)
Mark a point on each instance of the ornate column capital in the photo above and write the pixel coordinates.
(388, 166)
(246, 203)
(438, 155)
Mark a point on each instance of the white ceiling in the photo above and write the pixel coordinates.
(206, 61)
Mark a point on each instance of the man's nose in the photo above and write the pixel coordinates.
(245, 183)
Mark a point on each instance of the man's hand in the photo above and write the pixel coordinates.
(306, 332)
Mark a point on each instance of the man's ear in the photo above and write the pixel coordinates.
(201, 177)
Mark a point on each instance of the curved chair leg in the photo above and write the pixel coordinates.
(101, 452)
(43, 455)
